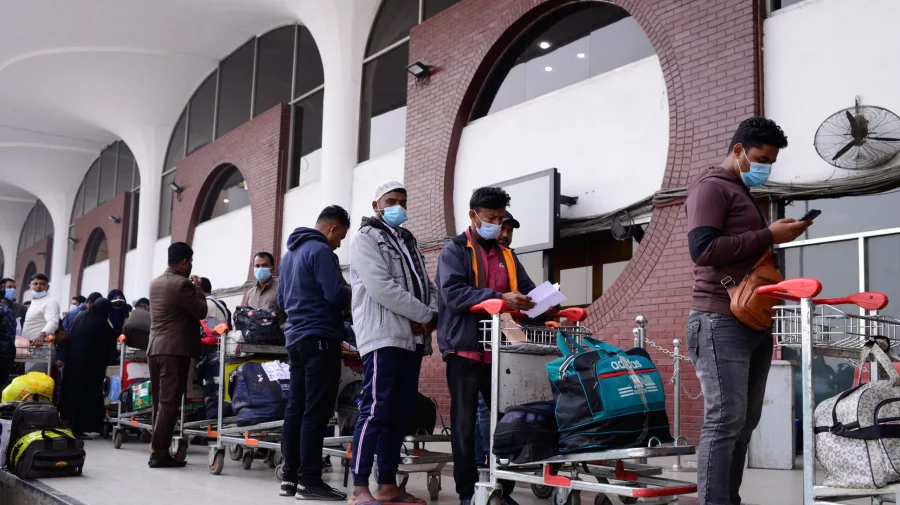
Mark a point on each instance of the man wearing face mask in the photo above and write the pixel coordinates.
(472, 268)
(42, 318)
(264, 294)
(9, 292)
(727, 235)
(177, 304)
(314, 296)
(394, 313)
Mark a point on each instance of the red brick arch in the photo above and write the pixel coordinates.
(698, 43)
(87, 229)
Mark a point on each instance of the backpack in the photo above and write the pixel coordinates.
(258, 326)
(857, 431)
(208, 372)
(349, 401)
(47, 453)
(31, 415)
(424, 417)
(606, 397)
(255, 396)
(527, 433)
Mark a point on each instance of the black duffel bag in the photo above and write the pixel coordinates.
(527, 433)
(47, 453)
(258, 326)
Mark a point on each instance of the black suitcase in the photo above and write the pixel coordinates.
(47, 453)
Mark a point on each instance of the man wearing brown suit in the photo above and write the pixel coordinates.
(177, 304)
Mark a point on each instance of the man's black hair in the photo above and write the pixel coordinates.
(265, 254)
(142, 301)
(489, 198)
(80, 299)
(336, 214)
(205, 285)
(40, 277)
(178, 252)
(4, 280)
(93, 297)
(758, 131)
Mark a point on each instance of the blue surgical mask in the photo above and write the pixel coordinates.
(10, 294)
(37, 295)
(394, 215)
(758, 174)
(488, 231)
(262, 274)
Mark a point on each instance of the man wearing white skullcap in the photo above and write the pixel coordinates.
(394, 312)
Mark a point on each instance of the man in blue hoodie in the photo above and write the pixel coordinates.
(313, 294)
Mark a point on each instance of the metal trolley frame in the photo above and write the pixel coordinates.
(617, 482)
(125, 419)
(816, 327)
(41, 354)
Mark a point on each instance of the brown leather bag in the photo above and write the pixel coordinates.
(755, 311)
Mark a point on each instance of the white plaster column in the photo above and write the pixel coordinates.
(60, 209)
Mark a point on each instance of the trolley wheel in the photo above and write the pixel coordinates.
(216, 461)
(247, 460)
(270, 460)
(541, 491)
(434, 486)
(279, 472)
(561, 496)
(118, 438)
(106, 430)
(180, 452)
(402, 480)
(235, 452)
(602, 499)
(279, 459)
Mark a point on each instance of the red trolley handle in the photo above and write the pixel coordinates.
(498, 306)
(795, 289)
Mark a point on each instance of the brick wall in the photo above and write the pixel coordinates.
(87, 229)
(259, 149)
(41, 253)
(709, 53)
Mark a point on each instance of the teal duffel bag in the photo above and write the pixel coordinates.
(606, 398)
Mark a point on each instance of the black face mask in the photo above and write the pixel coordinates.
(118, 303)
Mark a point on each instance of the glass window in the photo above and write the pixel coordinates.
(90, 186)
(383, 112)
(133, 223)
(228, 193)
(28, 231)
(569, 45)
(136, 180)
(587, 265)
(22, 238)
(202, 107)
(433, 7)
(883, 270)
(235, 88)
(274, 64)
(165, 206)
(98, 250)
(307, 137)
(108, 174)
(125, 170)
(175, 152)
(851, 214)
(69, 248)
(79, 203)
(781, 4)
(394, 20)
(818, 262)
(310, 74)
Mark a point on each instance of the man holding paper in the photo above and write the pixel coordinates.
(472, 268)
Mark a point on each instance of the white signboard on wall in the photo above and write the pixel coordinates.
(534, 202)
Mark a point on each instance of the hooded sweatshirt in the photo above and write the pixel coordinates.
(727, 234)
(311, 289)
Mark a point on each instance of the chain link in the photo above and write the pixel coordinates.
(675, 357)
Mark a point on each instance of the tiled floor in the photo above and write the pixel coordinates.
(114, 477)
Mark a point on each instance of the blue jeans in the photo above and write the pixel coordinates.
(732, 362)
(482, 439)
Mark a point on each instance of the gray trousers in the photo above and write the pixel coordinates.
(732, 363)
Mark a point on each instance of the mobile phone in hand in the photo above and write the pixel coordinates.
(811, 215)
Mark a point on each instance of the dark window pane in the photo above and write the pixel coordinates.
(176, 144)
(883, 270)
(108, 174)
(383, 111)
(22, 237)
(818, 262)
(133, 224)
(77, 209)
(394, 20)
(69, 247)
(229, 193)
(307, 138)
(202, 104)
(433, 7)
(275, 61)
(90, 186)
(781, 4)
(98, 250)
(310, 74)
(852, 214)
(235, 89)
(125, 170)
(137, 177)
(165, 206)
(29, 229)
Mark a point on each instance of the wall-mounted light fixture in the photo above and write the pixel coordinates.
(73, 240)
(115, 219)
(420, 71)
(175, 187)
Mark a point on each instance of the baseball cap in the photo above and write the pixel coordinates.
(509, 217)
(385, 187)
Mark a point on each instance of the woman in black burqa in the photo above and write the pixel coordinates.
(81, 392)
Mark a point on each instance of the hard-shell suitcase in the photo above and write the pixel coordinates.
(47, 453)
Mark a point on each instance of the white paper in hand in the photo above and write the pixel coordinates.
(544, 297)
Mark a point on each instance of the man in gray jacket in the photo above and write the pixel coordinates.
(394, 313)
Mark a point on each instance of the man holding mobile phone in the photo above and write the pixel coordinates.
(727, 236)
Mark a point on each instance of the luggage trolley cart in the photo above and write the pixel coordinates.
(816, 327)
(127, 419)
(617, 482)
(42, 354)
